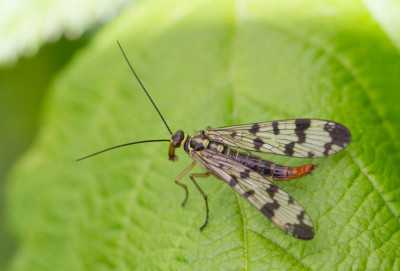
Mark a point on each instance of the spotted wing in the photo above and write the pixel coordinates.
(305, 138)
(278, 206)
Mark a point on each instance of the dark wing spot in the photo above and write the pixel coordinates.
(327, 147)
(245, 174)
(233, 181)
(301, 126)
(289, 149)
(301, 231)
(269, 209)
(233, 134)
(275, 127)
(248, 193)
(254, 129)
(300, 217)
(328, 126)
(258, 143)
(291, 200)
(271, 190)
(311, 154)
(340, 135)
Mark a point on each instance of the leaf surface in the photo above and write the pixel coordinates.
(213, 63)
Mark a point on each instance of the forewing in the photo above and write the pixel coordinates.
(278, 206)
(305, 138)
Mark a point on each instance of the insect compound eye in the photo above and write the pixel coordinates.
(177, 139)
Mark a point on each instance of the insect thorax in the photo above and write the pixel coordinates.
(196, 143)
(200, 142)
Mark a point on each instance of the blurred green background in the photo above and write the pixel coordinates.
(30, 58)
(23, 89)
(65, 91)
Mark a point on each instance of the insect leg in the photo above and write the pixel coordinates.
(179, 177)
(201, 175)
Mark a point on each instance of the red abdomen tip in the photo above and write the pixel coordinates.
(297, 172)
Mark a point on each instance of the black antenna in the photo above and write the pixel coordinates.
(144, 87)
(137, 142)
(123, 145)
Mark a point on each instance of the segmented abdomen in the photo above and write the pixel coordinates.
(267, 168)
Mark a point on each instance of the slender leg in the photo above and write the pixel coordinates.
(201, 175)
(183, 173)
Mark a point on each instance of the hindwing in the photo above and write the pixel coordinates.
(278, 206)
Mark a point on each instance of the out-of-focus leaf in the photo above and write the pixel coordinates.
(26, 25)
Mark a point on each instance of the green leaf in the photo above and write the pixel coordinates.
(213, 63)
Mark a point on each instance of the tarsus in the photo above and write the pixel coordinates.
(144, 88)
